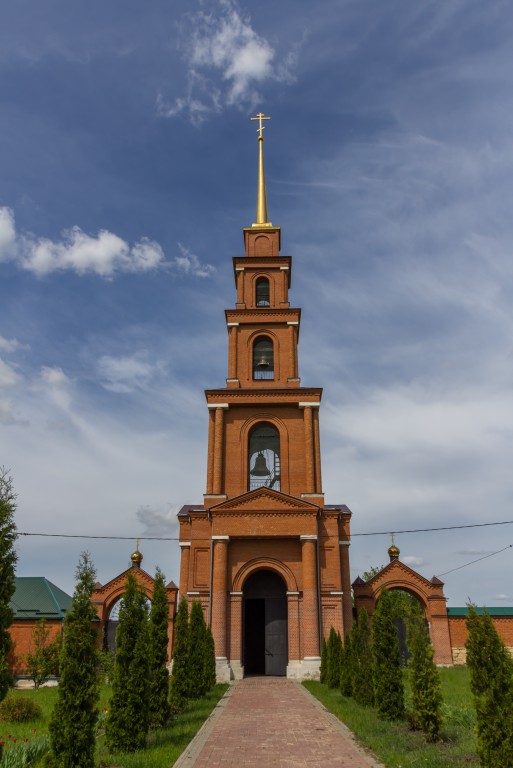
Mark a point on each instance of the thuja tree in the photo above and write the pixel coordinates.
(210, 660)
(388, 680)
(158, 642)
(362, 660)
(180, 674)
(7, 565)
(426, 694)
(346, 668)
(333, 659)
(128, 720)
(73, 722)
(197, 650)
(491, 682)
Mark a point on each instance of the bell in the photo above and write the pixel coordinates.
(260, 467)
(263, 363)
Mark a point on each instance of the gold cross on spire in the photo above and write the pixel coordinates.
(261, 127)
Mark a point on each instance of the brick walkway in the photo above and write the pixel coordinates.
(266, 722)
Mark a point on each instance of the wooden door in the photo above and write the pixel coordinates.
(276, 651)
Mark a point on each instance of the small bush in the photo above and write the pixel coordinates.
(18, 710)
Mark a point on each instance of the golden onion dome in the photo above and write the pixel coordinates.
(394, 552)
(136, 558)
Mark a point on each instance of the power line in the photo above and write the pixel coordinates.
(459, 567)
(176, 538)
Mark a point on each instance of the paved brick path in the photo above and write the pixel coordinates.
(268, 722)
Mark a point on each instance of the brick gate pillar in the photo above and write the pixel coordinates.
(219, 605)
(185, 546)
(235, 650)
(311, 650)
(309, 449)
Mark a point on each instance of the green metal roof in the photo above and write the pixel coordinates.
(492, 611)
(37, 598)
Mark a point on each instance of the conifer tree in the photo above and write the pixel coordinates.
(491, 682)
(210, 660)
(73, 722)
(158, 641)
(333, 659)
(180, 674)
(7, 565)
(426, 694)
(128, 720)
(346, 668)
(197, 648)
(362, 661)
(388, 680)
(324, 661)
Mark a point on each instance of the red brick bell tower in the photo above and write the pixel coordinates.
(268, 559)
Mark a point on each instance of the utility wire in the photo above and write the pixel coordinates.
(176, 538)
(476, 561)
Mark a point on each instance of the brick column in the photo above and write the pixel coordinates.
(317, 451)
(236, 635)
(211, 448)
(240, 285)
(347, 607)
(309, 457)
(185, 546)
(293, 625)
(292, 344)
(310, 598)
(232, 350)
(218, 451)
(220, 594)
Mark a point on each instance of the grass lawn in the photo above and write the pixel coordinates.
(164, 746)
(398, 747)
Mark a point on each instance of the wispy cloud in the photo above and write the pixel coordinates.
(227, 63)
(189, 264)
(413, 561)
(124, 373)
(158, 520)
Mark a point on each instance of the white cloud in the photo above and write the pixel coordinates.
(413, 561)
(106, 254)
(11, 345)
(8, 376)
(189, 264)
(223, 44)
(124, 374)
(53, 376)
(158, 520)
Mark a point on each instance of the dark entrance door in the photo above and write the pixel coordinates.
(265, 625)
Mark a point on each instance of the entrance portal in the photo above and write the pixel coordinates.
(265, 624)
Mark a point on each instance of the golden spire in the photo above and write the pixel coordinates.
(261, 209)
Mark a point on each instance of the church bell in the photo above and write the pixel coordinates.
(263, 363)
(260, 466)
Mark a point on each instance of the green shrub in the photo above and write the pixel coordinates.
(346, 668)
(334, 646)
(180, 676)
(16, 709)
(362, 661)
(158, 641)
(426, 694)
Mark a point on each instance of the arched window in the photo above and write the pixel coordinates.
(262, 292)
(263, 358)
(264, 457)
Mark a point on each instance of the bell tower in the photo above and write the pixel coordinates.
(263, 522)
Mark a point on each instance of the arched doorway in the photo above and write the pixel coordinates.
(265, 624)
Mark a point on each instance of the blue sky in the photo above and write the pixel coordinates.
(128, 170)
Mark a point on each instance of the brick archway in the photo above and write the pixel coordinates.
(397, 575)
(264, 564)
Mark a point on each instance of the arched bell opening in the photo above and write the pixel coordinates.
(264, 457)
(265, 630)
(263, 359)
(262, 292)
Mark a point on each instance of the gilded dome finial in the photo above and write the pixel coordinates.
(136, 556)
(393, 550)
(261, 208)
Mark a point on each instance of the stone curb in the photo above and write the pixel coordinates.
(343, 729)
(191, 752)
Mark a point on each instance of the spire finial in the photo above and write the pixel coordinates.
(261, 208)
(136, 556)
(393, 550)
